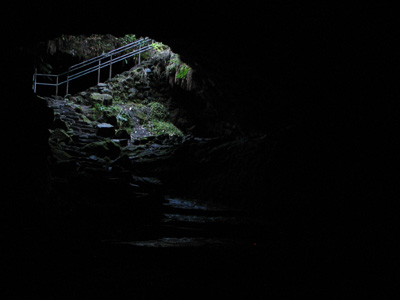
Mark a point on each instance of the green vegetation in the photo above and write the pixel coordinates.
(159, 47)
(157, 111)
(100, 110)
(178, 67)
(161, 127)
(124, 120)
(122, 117)
(183, 71)
(154, 116)
(129, 38)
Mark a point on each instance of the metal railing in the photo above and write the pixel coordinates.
(95, 64)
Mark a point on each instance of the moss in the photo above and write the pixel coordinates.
(158, 127)
(103, 148)
(158, 111)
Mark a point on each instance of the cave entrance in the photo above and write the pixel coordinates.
(127, 81)
(72, 62)
(123, 143)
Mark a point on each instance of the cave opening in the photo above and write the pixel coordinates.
(140, 152)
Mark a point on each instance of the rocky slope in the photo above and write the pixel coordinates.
(116, 155)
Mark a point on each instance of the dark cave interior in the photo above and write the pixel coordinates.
(315, 81)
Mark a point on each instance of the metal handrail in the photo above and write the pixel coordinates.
(112, 52)
(107, 63)
(138, 47)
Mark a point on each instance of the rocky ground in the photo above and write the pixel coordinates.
(123, 180)
(143, 206)
(120, 162)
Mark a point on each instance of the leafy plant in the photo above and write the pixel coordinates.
(180, 68)
(159, 46)
(124, 119)
(129, 38)
(183, 71)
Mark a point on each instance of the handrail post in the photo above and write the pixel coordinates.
(140, 47)
(34, 81)
(110, 75)
(66, 91)
(57, 86)
(98, 73)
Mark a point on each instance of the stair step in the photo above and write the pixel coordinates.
(180, 242)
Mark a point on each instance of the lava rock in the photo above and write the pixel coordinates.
(122, 134)
(106, 91)
(109, 120)
(103, 149)
(105, 99)
(122, 142)
(60, 135)
(58, 123)
(105, 130)
(122, 161)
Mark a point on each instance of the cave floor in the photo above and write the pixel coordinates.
(122, 232)
(170, 247)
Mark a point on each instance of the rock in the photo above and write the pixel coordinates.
(122, 142)
(58, 123)
(94, 158)
(162, 138)
(105, 99)
(108, 101)
(61, 136)
(133, 91)
(105, 130)
(60, 155)
(103, 149)
(122, 161)
(122, 134)
(106, 91)
(109, 120)
(148, 184)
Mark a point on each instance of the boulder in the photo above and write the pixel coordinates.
(122, 134)
(60, 135)
(105, 130)
(106, 91)
(103, 149)
(122, 142)
(109, 119)
(105, 99)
